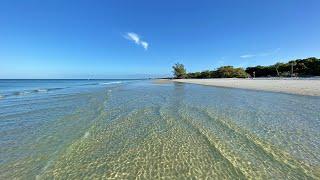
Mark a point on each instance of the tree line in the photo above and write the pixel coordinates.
(295, 68)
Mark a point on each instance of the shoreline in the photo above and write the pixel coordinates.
(309, 87)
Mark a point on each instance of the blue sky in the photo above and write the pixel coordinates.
(143, 38)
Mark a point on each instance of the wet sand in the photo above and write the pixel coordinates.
(292, 86)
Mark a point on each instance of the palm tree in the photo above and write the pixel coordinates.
(277, 65)
(293, 63)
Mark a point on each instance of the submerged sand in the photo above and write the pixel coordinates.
(293, 86)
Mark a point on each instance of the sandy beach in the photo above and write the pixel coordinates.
(292, 86)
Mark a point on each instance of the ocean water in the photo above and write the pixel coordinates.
(125, 129)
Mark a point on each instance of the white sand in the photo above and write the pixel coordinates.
(293, 86)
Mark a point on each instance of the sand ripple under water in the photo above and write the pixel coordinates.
(177, 131)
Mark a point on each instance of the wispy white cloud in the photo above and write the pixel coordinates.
(144, 44)
(246, 56)
(136, 39)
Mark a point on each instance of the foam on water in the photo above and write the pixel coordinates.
(41, 90)
(107, 83)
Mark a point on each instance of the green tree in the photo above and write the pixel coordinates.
(194, 75)
(205, 74)
(225, 71)
(277, 65)
(239, 73)
(179, 71)
(231, 72)
(292, 64)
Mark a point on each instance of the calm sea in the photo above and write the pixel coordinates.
(124, 129)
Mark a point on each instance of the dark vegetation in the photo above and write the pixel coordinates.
(295, 68)
(179, 71)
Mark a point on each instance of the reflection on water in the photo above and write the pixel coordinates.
(171, 131)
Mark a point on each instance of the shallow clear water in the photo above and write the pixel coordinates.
(141, 129)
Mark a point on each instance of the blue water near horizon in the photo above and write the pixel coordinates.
(125, 129)
(20, 87)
